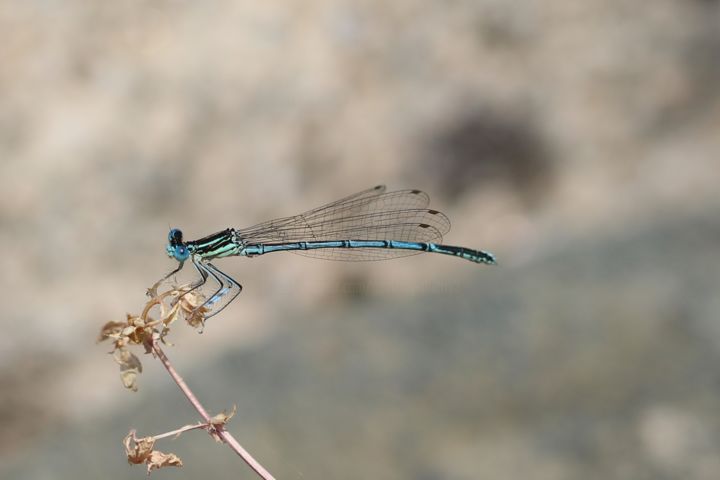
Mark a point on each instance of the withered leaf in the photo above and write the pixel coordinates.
(140, 450)
(130, 368)
(218, 421)
(110, 330)
(159, 460)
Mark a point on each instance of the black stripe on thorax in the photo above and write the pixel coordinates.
(212, 242)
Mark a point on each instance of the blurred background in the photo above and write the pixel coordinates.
(578, 141)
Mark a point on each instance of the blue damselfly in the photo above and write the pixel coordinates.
(369, 225)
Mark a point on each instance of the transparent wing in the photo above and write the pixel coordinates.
(272, 227)
(368, 215)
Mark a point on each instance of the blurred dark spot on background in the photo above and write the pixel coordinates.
(485, 146)
(354, 287)
(703, 63)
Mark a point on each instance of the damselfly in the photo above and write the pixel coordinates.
(369, 225)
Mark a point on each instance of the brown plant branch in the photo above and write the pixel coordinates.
(214, 426)
(181, 430)
(145, 330)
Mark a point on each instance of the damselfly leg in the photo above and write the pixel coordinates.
(164, 279)
(227, 285)
(203, 278)
(193, 286)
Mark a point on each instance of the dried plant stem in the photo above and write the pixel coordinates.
(177, 432)
(219, 428)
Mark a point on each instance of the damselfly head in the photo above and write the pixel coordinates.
(176, 248)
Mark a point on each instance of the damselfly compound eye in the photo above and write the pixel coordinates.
(175, 236)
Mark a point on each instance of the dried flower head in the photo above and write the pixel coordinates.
(182, 301)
